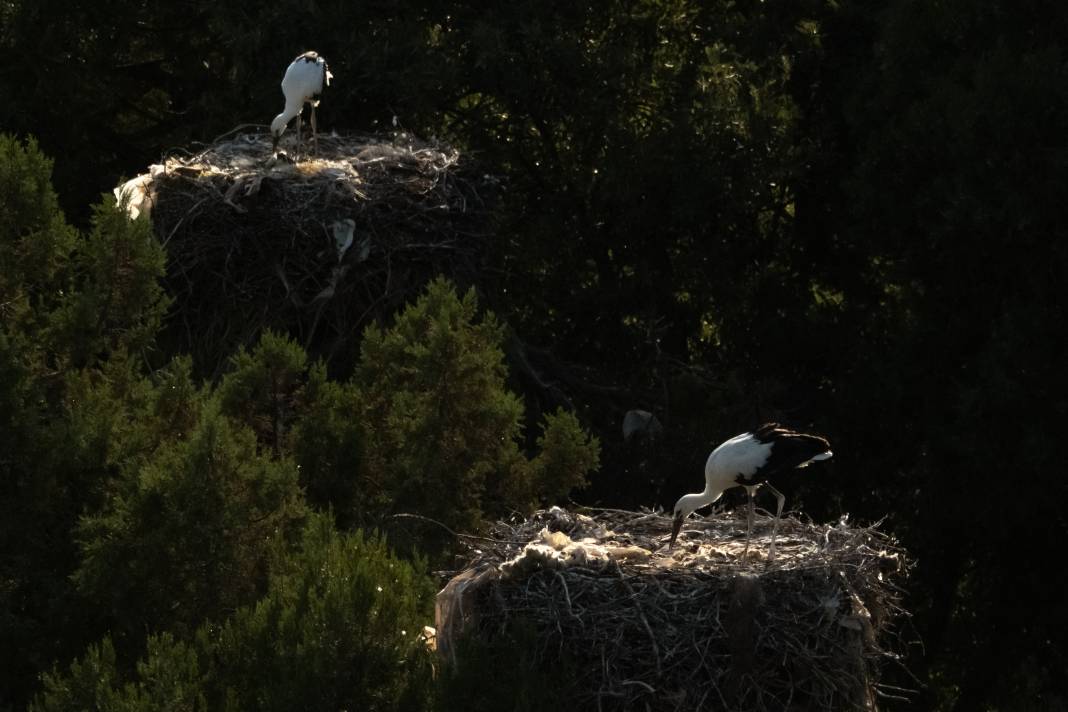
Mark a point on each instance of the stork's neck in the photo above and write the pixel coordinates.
(292, 109)
(690, 502)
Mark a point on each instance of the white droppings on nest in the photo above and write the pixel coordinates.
(138, 194)
(707, 553)
(556, 550)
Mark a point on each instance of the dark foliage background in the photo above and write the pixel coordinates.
(848, 216)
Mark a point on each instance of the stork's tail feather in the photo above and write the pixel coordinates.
(810, 448)
(822, 456)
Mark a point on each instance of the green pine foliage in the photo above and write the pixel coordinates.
(35, 239)
(426, 426)
(64, 427)
(264, 389)
(295, 410)
(338, 628)
(328, 446)
(443, 429)
(189, 528)
(90, 684)
(168, 677)
(115, 300)
(567, 454)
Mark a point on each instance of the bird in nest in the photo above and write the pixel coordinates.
(749, 460)
(302, 84)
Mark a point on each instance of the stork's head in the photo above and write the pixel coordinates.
(682, 510)
(687, 505)
(676, 525)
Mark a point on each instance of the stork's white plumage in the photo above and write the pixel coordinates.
(748, 460)
(302, 84)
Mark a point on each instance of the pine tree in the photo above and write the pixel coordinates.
(338, 628)
(189, 528)
(442, 425)
(443, 430)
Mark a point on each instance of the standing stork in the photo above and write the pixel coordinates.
(302, 84)
(748, 460)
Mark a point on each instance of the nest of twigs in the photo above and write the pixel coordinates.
(315, 246)
(695, 627)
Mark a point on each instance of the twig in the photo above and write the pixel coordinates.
(458, 535)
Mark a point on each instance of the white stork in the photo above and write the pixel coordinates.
(302, 84)
(748, 460)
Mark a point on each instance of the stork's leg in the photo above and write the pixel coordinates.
(299, 122)
(750, 517)
(778, 513)
(315, 134)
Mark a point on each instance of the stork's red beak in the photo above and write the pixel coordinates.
(676, 525)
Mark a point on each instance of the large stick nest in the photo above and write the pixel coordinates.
(696, 627)
(316, 248)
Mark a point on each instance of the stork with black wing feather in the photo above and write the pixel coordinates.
(749, 460)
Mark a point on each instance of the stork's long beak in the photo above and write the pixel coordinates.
(274, 142)
(676, 525)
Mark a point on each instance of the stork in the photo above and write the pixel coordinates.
(302, 84)
(748, 460)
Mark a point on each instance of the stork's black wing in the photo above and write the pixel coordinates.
(789, 449)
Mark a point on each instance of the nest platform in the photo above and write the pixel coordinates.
(315, 246)
(696, 627)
